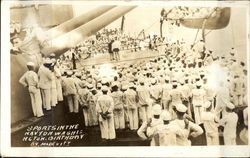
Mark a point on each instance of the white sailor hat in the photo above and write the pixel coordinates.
(181, 81)
(105, 88)
(198, 83)
(207, 104)
(156, 109)
(165, 115)
(141, 80)
(30, 63)
(181, 108)
(69, 72)
(124, 87)
(47, 61)
(114, 84)
(89, 80)
(52, 55)
(131, 84)
(230, 106)
(83, 77)
(153, 80)
(99, 85)
(104, 81)
(174, 83)
(78, 74)
(186, 78)
(90, 85)
(167, 78)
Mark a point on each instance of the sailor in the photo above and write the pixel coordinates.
(198, 95)
(91, 104)
(244, 131)
(130, 98)
(175, 98)
(185, 89)
(222, 98)
(144, 100)
(53, 85)
(83, 94)
(70, 92)
(229, 122)
(210, 92)
(237, 90)
(45, 79)
(116, 46)
(184, 128)
(153, 125)
(105, 107)
(30, 80)
(119, 118)
(58, 75)
(166, 87)
(124, 88)
(155, 91)
(167, 137)
(210, 121)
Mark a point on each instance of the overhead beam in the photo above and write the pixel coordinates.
(69, 40)
(77, 21)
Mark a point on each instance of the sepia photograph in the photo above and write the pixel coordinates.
(115, 75)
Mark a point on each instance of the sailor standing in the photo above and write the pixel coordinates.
(166, 135)
(211, 125)
(198, 95)
(70, 91)
(229, 122)
(53, 98)
(30, 80)
(58, 75)
(118, 107)
(176, 98)
(166, 87)
(143, 101)
(45, 79)
(153, 125)
(183, 128)
(130, 98)
(105, 107)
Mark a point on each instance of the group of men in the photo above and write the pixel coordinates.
(45, 86)
(167, 98)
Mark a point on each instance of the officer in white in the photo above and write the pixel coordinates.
(182, 127)
(105, 107)
(211, 124)
(229, 122)
(30, 80)
(45, 82)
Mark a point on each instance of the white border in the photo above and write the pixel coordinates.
(199, 151)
